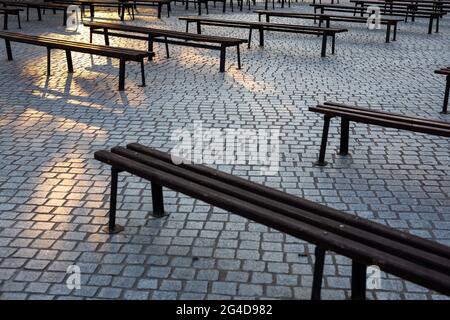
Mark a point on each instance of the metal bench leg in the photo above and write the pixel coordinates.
(323, 145)
(358, 281)
(112, 227)
(437, 24)
(39, 14)
(238, 50)
(143, 72)
(28, 14)
(69, 61)
(8, 49)
(122, 13)
(222, 58)
(157, 200)
(90, 35)
(199, 27)
(48, 61)
(159, 10)
(64, 18)
(319, 254)
(122, 75)
(249, 37)
(388, 32)
(18, 21)
(447, 90)
(395, 32)
(345, 128)
(324, 45)
(105, 30)
(5, 21)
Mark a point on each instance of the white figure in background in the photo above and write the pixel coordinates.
(373, 277)
(374, 19)
(73, 18)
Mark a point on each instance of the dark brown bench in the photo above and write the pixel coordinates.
(432, 15)
(152, 35)
(366, 243)
(411, 6)
(445, 72)
(121, 5)
(10, 12)
(264, 26)
(123, 55)
(362, 115)
(391, 23)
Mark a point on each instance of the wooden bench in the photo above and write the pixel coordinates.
(39, 6)
(264, 26)
(366, 243)
(445, 72)
(432, 16)
(123, 55)
(362, 115)
(121, 5)
(390, 23)
(158, 3)
(153, 35)
(10, 12)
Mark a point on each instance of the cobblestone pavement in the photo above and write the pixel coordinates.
(54, 196)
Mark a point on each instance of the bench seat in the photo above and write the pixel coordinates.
(168, 37)
(362, 115)
(432, 15)
(68, 46)
(367, 243)
(39, 6)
